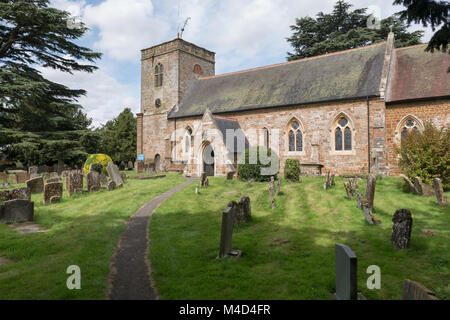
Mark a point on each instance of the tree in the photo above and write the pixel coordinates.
(428, 12)
(118, 137)
(344, 29)
(39, 119)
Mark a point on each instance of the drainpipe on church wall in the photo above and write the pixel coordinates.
(368, 132)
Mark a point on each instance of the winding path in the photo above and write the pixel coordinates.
(130, 272)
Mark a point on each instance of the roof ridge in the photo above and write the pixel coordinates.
(290, 62)
(412, 46)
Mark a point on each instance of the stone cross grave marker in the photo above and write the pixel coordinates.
(227, 230)
(17, 211)
(415, 291)
(439, 190)
(401, 230)
(346, 273)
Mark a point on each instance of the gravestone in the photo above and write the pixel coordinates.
(111, 185)
(93, 181)
(13, 178)
(204, 182)
(370, 190)
(348, 190)
(227, 232)
(74, 183)
(52, 180)
(130, 165)
(123, 176)
(353, 185)
(140, 166)
(278, 186)
(55, 199)
(35, 175)
(346, 273)
(243, 212)
(122, 166)
(418, 185)
(415, 291)
(103, 179)
(20, 194)
(22, 176)
(230, 175)
(32, 170)
(3, 176)
(332, 180)
(409, 183)
(51, 190)
(401, 230)
(326, 184)
(36, 185)
(359, 199)
(367, 211)
(54, 175)
(17, 211)
(271, 191)
(439, 190)
(4, 195)
(114, 174)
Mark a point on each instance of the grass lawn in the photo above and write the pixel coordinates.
(84, 231)
(289, 252)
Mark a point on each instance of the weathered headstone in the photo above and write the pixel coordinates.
(353, 185)
(36, 185)
(365, 206)
(35, 175)
(415, 291)
(439, 190)
(271, 191)
(204, 182)
(359, 199)
(123, 176)
(230, 175)
(17, 211)
(32, 169)
(278, 186)
(111, 185)
(370, 190)
(51, 190)
(22, 176)
(13, 178)
(140, 166)
(3, 176)
(326, 183)
(348, 190)
(346, 273)
(74, 183)
(54, 175)
(332, 180)
(401, 230)
(227, 231)
(243, 211)
(418, 185)
(20, 194)
(130, 165)
(114, 174)
(103, 179)
(93, 181)
(122, 166)
(409, 183)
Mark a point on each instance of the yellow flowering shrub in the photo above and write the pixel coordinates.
(99, 158)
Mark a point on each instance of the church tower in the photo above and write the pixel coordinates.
(167, 72)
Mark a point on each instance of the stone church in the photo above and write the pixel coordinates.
(341, 112)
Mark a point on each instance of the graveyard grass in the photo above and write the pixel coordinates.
(289, 252)
(83, 230)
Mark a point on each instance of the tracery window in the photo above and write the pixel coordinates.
(295, 137)
(343, 135)
(410, 125)
(159, 75)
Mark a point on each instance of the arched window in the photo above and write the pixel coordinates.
(159, 75)
(266, 138)
(295, 136)
(342, 135)
(187, 139)
(409, 126)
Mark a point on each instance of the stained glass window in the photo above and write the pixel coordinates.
(409, 126)
(299, 138)
(291, 141)
(343, 122)
(338, 139)
(295, 137)
(348, 139)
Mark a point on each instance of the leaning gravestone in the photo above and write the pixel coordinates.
(114, 174)
(415, 291)
(36, 185)
(401, 231)
(93, 181)
(348, 190)
(227, 232)
(53, 191)
(17, 211)
(418, 185)
(439, 192)
(370, 190)
(243, 212)
(409, 183)
(74, 183)
(346, 273)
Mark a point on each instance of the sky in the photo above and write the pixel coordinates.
(243, 33)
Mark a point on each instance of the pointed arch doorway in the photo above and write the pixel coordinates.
(208, 160)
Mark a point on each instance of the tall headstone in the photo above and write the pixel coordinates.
(439, 190)
(22, 176)
(227, 230)
(36, 185)
(415, 291)
(243, 212)
(409, 183)
(271, 191)
(114, 174)
(401, 230)
(370, 190)
(53, 192)
(278, 186)
(17, 211)
(74, 183)
(346, 273)
(418, 185)
(348, 190)
(140, 166)
(93, 181)
(204, 182)
(130, 165)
